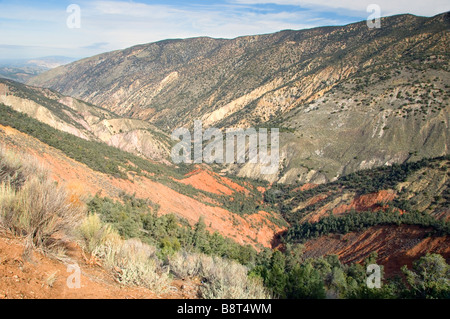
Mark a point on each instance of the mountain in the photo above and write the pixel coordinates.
(345, 98)
(23, 69)
(231, 207)
(400, 212)
(50, 62)
(86, 120)
(364, 176)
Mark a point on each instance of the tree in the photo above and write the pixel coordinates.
(305, 282)
(200, 238)
(294, 255)
(276, 279)
(429, 278)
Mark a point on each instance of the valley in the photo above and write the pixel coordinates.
(364, 173)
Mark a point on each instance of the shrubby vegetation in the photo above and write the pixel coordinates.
(429, 278)
(137, 218)
(222, 278)
(289, 275)
(194, 252)
(358, 221)
(112, 161)
(128, 238)
(361, 183)
(34, 207)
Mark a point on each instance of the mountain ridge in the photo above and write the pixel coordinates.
(276, 80)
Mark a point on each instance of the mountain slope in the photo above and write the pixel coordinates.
(346, 98)
(237, 212)
(422, 187)
(395, 246)
(233, 209)
(86, 121)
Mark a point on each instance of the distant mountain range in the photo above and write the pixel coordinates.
(23, 69)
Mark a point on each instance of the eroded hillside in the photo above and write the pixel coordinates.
(346, 98)
(172, 196)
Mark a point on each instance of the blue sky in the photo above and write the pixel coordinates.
(30, 29)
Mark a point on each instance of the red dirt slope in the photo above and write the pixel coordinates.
(395, 245)
(209, 181)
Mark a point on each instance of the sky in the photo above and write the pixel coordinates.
(82, 28)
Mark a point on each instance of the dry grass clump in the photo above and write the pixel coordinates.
(92, 234)
(16, 168)
(34, 207)
(132, 262)
(136, 264)
(221, 278)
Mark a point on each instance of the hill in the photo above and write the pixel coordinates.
(86, 121)
(232, 208)
(346, 98)
(364, 176)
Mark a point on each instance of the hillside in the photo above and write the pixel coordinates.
(85, 171)
(46, 278)
(421, 186)
(208, 195)
(86, 121)
(227, 207)
(394, 245)
(346, 98)
(399, 212)
(370, 193)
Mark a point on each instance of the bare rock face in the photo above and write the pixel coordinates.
(345, 98)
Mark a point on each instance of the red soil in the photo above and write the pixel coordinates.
(305, 187)
(46, 278)
(372, 201)
(395, 245)
(369, 202)
(207, 181)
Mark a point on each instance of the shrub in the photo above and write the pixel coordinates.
(41, 212)
(93, 234)
(136, 264)
(221, 278)
(34, 207)
(15, 168)
(429, 278)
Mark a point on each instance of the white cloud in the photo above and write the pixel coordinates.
(388, 7)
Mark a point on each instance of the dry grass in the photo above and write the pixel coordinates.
(222, 279)
(93, 234)
(34, 207)
(136, 264)
(16, 168)
(132, 262)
